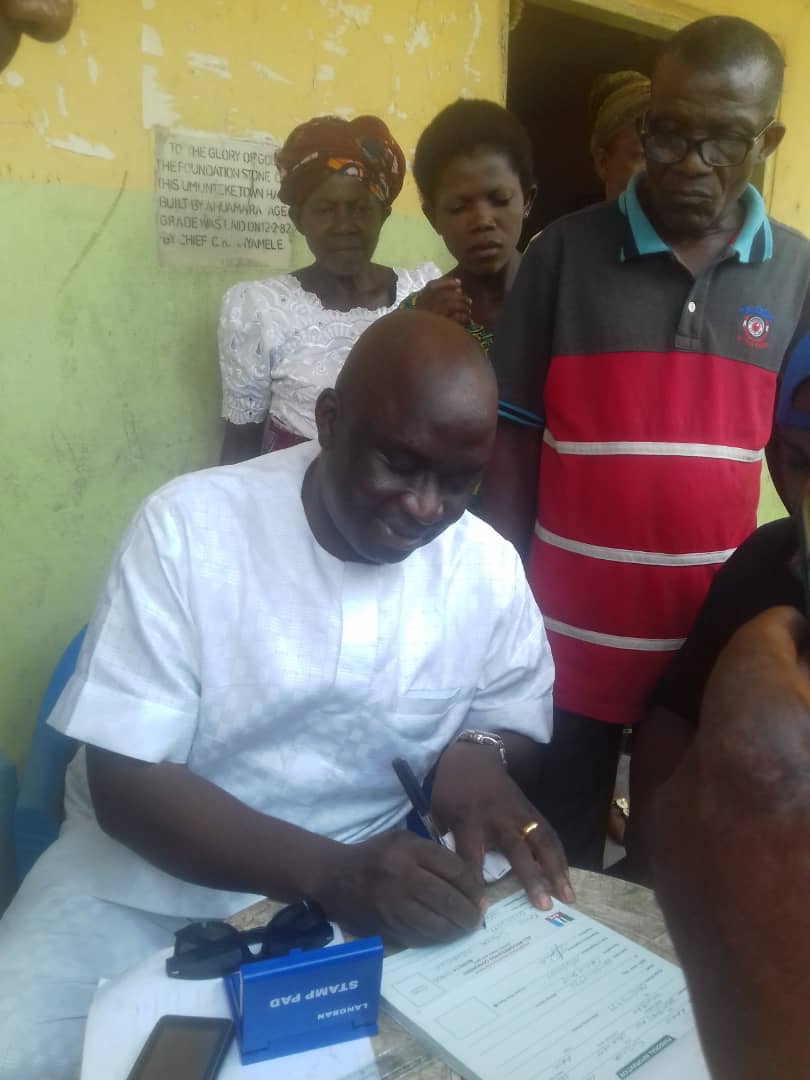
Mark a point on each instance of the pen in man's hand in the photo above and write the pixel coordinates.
(413, 789)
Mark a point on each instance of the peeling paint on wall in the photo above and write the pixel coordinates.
(360, 16)
(419, 37)
(77, 145)
(61, 103)
(268, 73)
(92, 70)
(214, 65)
(14, 80)
(474, 73)
(150, 41)
(157, 106)
(325, 73)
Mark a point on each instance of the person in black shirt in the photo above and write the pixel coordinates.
(762, 573)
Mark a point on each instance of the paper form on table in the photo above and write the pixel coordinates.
(547, 996)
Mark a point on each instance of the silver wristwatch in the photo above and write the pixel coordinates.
(485, 738)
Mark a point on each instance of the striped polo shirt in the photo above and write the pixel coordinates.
(656, 392)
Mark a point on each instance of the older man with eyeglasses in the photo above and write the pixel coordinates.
(637, 361)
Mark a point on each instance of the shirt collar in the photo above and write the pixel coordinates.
(753, 243)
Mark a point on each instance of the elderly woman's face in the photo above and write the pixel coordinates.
(44, 20)
(341, 222)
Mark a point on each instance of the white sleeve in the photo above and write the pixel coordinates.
(248, 338)
(516, 683)
(136, 689)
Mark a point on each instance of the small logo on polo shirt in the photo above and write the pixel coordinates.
(756, 324)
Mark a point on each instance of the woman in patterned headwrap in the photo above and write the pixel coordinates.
(283, 340)
(617, 102)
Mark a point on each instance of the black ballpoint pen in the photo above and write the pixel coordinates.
(413, 789)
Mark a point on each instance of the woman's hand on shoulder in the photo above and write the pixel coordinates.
(444, 296)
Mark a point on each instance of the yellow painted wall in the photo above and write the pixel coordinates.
(109, 374)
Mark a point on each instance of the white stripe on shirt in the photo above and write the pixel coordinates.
(652, 449)
(613, 641)
(627, 555)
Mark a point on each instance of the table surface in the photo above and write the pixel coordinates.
(630, 909)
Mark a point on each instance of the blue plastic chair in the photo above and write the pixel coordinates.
(39, 810)
(8, 799)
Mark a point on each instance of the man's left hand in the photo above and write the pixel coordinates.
(476, 798)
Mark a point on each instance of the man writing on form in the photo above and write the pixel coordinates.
(270, 637)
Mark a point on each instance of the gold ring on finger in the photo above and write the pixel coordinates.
(529, 828)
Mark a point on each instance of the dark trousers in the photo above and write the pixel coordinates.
(576, 784)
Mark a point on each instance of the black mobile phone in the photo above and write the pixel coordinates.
(184, 1048)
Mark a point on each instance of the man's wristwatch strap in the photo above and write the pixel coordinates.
(485, 738)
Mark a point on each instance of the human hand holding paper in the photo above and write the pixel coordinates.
(476, 798)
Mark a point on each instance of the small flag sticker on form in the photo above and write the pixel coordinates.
(559, 918)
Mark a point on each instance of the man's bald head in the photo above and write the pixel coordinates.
(412, 360)
(405, 435)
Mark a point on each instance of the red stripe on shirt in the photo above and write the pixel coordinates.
(667, 504)
(610, 684)
(618, 598)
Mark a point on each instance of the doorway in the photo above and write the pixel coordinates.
(554, 57)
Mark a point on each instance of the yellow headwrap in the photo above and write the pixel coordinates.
(616, 98)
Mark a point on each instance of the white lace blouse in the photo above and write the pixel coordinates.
(279, 347)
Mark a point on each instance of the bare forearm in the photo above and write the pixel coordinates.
(196, 831)
(730, 858)
(744, 952)
(659, 743)
(509, 488)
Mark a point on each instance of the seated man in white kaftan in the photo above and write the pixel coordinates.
(271, 635)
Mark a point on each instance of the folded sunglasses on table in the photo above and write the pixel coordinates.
(212, 948)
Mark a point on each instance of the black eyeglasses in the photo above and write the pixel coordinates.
(210, 949)
(717, 151)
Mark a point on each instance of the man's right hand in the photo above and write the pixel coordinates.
(403, 887)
